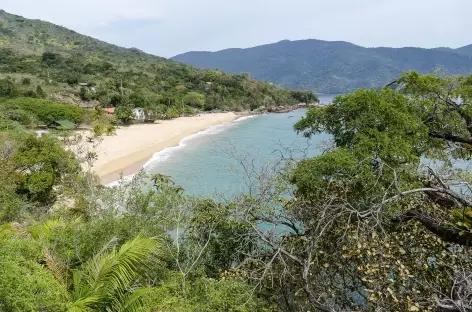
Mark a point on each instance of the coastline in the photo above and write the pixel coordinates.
(133, 146)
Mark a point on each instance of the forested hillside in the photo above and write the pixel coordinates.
(39, 59)
(330, 67)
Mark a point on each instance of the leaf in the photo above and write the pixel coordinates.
(106, 279)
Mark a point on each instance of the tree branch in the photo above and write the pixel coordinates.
(450, 137)
(447, 234)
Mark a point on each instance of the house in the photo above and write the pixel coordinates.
(139, 114)
(61, 125)
(83, 84)
(109, 110)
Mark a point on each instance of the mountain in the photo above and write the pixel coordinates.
(467, 50)
(330, 67)
(38, 57)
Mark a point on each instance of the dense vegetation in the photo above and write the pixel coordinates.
(380, 221)
(331, 67)
(39, 59)
(371, 224)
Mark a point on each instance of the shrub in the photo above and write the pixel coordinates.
(45, 110)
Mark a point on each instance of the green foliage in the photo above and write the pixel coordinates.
(378, 124)
(39, 92)
(227, 294)
(85, 94)
(104, 282)
(194, 99)
(36, 165)
(21, 116)
(304, 97)
(8, 88)
(25, 284)
(124, 113)
(398, 228)
(44, 110)
(229, 236)
(50, 58)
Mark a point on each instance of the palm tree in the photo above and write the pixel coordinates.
(109, 281)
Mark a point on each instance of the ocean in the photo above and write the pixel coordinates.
(216, 162)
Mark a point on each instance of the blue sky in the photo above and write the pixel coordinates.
(170, 27)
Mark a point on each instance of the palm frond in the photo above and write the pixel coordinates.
(132, 302)
(57, 268)
(109, 276)
(85, 304)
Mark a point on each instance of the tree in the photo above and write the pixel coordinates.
(305, 96)
(39, 166)
(85, 94)
(8, 88)
(124, 113)
(51, 58)
(46, 110)
(433, 119)
(26, 81)
(39, 92)
(195, 99)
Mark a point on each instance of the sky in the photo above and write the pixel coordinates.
(170, 27)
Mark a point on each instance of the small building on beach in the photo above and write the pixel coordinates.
(139, 114)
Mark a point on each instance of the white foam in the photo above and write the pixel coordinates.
(167, 152)
(245, 118)
(124, 180)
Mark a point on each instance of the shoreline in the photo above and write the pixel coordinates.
(133, 146)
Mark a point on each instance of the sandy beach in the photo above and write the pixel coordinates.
(132, 146)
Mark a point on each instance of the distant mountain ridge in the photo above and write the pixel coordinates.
(330, 66)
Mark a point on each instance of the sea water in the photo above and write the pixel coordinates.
(217, 161)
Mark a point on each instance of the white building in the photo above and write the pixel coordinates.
(139, 114)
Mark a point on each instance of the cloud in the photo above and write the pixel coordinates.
(169, 27)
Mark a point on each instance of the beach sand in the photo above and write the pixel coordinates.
(132, 146)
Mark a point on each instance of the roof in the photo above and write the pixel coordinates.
(109, 110)
(84, 84)
(62, 124)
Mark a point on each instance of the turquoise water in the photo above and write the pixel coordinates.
(210, 163)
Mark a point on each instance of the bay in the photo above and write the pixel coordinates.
(211, 163)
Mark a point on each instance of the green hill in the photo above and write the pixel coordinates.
(330, 67)
(40, 59)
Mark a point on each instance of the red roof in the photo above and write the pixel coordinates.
(109, 110)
